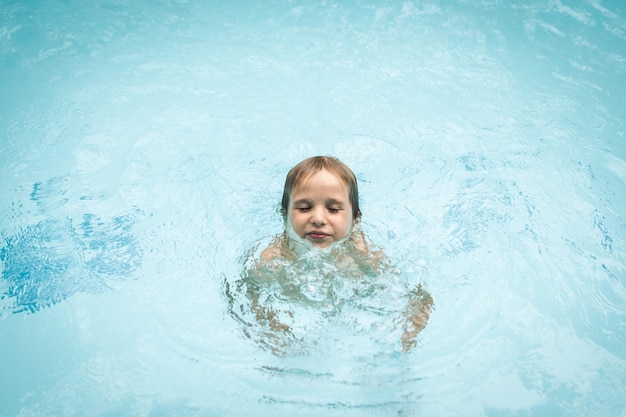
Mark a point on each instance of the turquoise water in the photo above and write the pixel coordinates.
(143, 146)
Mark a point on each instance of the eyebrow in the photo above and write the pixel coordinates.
(333, 201)
(310, 202)
(303, 201)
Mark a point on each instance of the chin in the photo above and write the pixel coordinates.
(322, 245)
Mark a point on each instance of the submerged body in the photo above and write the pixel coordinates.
(288, 303)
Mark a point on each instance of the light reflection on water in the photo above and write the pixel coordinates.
(143, 151)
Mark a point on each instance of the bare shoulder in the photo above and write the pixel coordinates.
(372, 254)
(270, 253)
(360, 242)
(274, 250)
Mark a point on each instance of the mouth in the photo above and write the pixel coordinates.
(317, 236)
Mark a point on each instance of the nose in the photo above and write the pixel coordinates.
(317, 217)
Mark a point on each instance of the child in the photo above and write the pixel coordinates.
(320, 209)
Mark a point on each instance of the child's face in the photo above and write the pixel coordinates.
(320, 210)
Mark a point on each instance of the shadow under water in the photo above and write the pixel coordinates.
(45, 262)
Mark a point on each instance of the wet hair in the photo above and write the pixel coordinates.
(313, 165)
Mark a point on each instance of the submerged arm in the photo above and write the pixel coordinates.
(260, 321)
(417, 312)
(266, 316)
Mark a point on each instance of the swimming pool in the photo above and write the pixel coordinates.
(144, 146)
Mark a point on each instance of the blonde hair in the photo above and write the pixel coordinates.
(313, 165)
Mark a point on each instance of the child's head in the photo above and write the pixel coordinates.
(312, 165)
(323, 183)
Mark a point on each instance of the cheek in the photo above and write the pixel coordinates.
(294, 219)
(348, 223)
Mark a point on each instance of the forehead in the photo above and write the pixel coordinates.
(321, 182)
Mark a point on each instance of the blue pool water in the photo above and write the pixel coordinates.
(143, 147)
